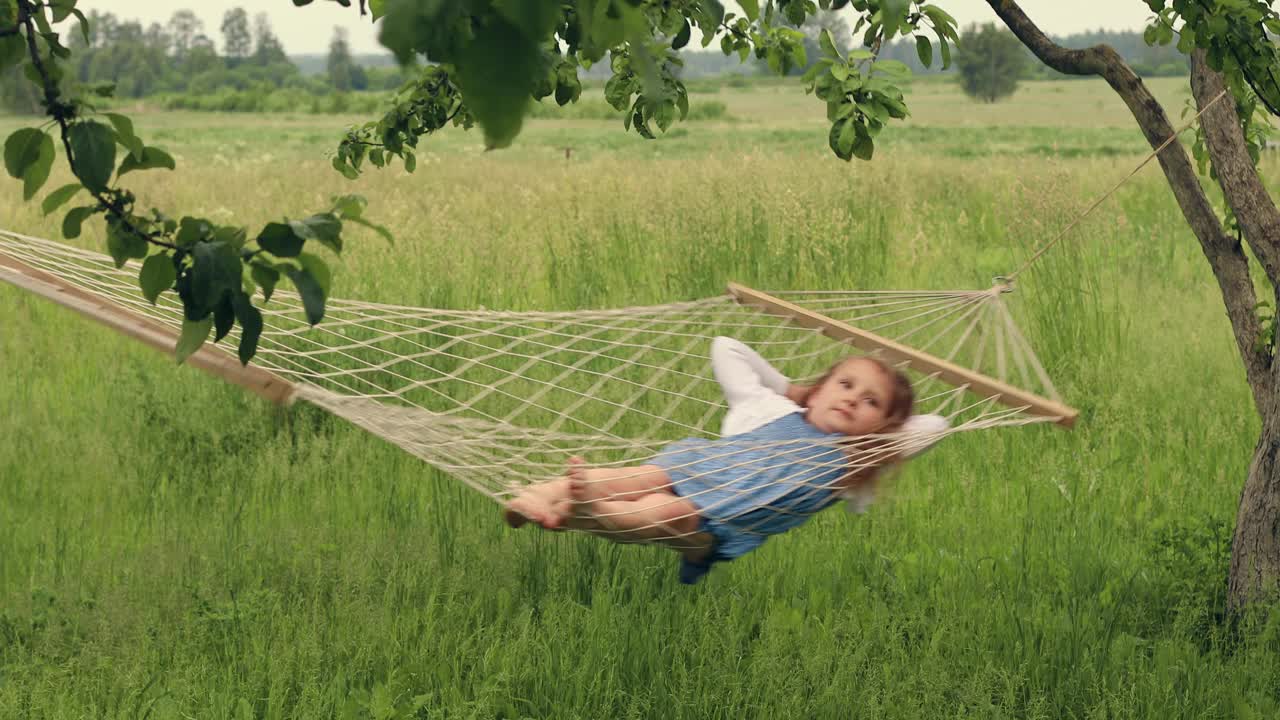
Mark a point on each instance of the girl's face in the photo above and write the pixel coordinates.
(853, 401)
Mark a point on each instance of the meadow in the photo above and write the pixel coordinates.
(171, 547)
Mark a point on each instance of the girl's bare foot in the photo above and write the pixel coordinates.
(548, 504)
(533, 505)
(588, 485)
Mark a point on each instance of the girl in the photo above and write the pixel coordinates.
(786, 455)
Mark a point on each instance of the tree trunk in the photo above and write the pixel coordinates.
(1255, 545)
(1255, 548)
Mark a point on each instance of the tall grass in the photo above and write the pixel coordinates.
(172, 548)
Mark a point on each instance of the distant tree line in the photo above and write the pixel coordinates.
(252, 72)
(1147, 61)
(179, 58)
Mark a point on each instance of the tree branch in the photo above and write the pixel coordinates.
(1243, 189)
(1224, 253)
(1256, 214)
(60, 112)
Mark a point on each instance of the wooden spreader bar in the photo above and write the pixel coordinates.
(208, 358)
(896, 352)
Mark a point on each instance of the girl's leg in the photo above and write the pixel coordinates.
(657, 517)
(624, 483)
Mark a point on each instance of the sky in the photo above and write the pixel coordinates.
(309, 29)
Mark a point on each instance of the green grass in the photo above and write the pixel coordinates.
(170, 547)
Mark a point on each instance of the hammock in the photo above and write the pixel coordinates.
(500, 399)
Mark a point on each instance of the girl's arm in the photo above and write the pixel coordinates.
(743, 374)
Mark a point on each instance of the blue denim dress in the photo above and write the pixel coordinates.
(753, 485)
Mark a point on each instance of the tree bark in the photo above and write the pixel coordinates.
(1255, 544)
(1255, 551)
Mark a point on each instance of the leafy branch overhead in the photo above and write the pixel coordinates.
(487, 61)
(215, 270)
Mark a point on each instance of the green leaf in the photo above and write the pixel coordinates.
(84, 25)
(324, 228)
(61, 9)
(312, 294)
(682, 38)
(152, 158)
(250, 320)
(828, 45)
(266, 278)
(617, 91)
(193, 336)
(713, 10)
(280, 240)
(750, 8)
(124, 133)
(798, 55)
(497, 71)
(385, 233)
(893, 68)
(924, 49)
(863, 147)
(377, 8)
(318, 269)
(848, 135)
(124, 244)
(231, 235)
(349, 206)
(56, 48)
(1187, 38)
(42, 22)
(191, 231)
(74, 219)
(158, 274)
(93, 145)
(347, 171)
(939, 16)
(665, 115)
(896, 108)
(833, 138)
(59, 197)
(224, 317)
(21, 151)
(216, 269)
(410, 162)
(38, 172)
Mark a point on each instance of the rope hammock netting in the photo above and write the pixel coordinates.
(501, 399)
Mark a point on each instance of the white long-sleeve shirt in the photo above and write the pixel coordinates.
(756, 394)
